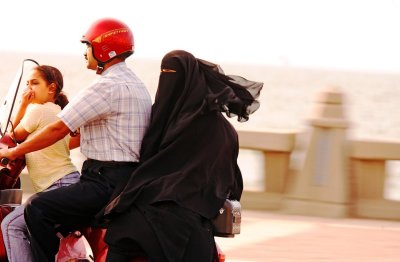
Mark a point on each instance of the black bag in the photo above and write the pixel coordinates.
(227, 222)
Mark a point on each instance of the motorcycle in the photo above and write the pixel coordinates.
(71, 247)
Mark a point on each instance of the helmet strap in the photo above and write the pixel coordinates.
(100, 68)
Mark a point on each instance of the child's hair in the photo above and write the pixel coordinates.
(52, 75)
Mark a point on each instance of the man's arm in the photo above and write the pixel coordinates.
(44, 138)
(74, 142)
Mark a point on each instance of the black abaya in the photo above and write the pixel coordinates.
(188, 161)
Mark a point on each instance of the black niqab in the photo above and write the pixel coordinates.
(189, 153)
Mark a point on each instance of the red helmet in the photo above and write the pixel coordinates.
(109, 38)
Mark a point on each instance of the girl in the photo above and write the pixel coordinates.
(49, 168)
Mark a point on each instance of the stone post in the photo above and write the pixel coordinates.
(321, 188)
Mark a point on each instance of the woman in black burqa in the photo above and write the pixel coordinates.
(188, 164)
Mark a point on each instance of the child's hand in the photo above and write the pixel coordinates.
(27, 97)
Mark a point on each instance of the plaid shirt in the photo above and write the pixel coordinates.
(112, 115)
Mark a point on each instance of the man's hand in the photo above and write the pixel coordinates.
(6, 153)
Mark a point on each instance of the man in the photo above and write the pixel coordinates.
(112, 116)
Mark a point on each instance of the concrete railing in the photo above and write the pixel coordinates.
(367, 172)
(276, 148)
(368, 168)
(339, 177)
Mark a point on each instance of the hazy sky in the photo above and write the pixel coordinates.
(345, 34)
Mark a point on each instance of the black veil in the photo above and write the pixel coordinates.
(189, 153)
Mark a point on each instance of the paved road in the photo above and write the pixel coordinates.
(281, 238)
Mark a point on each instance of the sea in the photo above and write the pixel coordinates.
(370, 100)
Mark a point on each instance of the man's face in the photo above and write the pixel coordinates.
(91, 62)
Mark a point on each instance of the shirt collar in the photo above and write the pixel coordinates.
(114, 67)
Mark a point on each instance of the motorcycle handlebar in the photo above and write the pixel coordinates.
(4, 161)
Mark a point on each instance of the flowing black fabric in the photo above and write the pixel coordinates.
(188, 163)
(189, 153)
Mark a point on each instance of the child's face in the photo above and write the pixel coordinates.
(38, 87)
